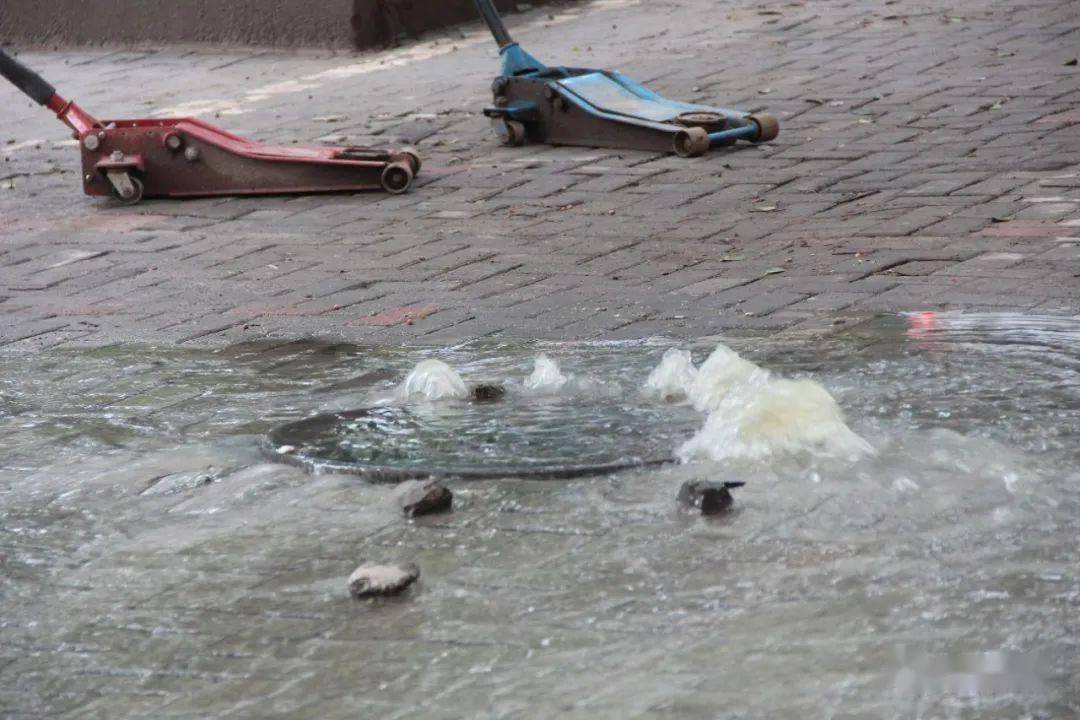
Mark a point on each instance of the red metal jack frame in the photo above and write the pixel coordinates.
(186, 157)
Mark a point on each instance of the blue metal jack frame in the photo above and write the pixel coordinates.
(601, 108)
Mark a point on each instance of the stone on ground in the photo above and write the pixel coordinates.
(708, 497)
(423, 497)
(370, 580)
(487, 392)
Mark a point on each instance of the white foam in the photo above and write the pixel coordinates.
(672, 379)
(432, 380)
(723, 374)
(753, 416)
(546, 376)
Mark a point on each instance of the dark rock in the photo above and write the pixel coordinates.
(487, 392)
(423, 497)
(708, 497)
(370, 580)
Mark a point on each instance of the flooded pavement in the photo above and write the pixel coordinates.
(153, 561)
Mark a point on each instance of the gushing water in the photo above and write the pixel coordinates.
(751, 415)
(670, 381)
(724, 378)
(778, 418)
(546, 377)
(432, 380)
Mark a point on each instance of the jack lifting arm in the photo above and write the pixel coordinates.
(494, 22)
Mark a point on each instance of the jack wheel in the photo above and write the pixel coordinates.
(397, 177)
(768, 127)
(691, 142)
(514, 133)
(414, 159)
(135, 196)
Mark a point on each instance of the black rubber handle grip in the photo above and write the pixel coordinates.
(491, 17)
(26, 79)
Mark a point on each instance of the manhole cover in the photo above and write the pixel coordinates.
(547, 437)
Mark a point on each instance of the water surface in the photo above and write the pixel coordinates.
(152, 561)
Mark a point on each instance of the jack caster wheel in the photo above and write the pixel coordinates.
(513, 133)
(691, 142)
(397, 177)
(768, 127)
(414, 159)
(129, 192)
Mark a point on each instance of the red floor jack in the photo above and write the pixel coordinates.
(186, 157)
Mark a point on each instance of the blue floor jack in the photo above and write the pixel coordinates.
(600, 108)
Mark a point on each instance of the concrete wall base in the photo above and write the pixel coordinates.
(326, 23)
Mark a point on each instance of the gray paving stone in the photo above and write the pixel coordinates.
(909, 150)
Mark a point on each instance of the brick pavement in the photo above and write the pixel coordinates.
(929, 158)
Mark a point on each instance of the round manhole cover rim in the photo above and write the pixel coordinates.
(276, 446)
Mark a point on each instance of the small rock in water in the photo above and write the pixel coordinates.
(487, 392)
(423, 497)
(708, 497)
(176, 483)
(371, 580)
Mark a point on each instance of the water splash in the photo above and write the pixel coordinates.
(779, 418)
(672, 379)
(546, 376)
(722, 376)
(432, 380)
(751, 415)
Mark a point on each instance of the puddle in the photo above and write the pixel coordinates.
(151, 558)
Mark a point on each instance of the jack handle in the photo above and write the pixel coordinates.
(494, 23)
(26, 79)
(41, 92)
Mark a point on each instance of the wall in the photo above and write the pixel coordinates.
(311, 23)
